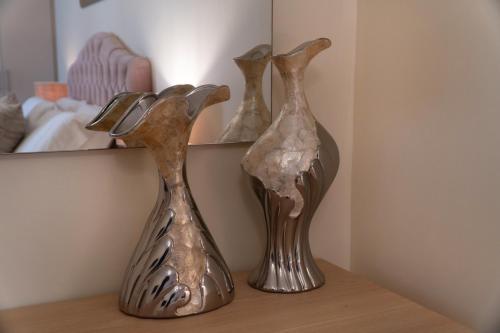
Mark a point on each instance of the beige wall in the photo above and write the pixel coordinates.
(70, 221)
(27, 45)
(426, 177)
(330, 90)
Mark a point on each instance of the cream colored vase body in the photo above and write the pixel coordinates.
(291, 166)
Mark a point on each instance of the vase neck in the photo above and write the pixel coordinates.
(253, 73)
(170, 161)
(253, 90)
(292, 66)
(177, 185)
(295, 96)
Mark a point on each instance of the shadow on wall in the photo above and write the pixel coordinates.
(494, 7)
(492, 317)
(497, 4)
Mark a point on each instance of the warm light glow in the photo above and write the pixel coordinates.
(181, 63)
(51, 91)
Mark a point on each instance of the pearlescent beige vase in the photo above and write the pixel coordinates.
(291, 167)
(120, 103)
(176, 269)
(252, 117)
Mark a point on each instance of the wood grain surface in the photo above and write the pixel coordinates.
(347, 303)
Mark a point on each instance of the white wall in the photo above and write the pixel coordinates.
(27, 44)
(188, 41)
(70, 221)
(330, 90)
(426, 179)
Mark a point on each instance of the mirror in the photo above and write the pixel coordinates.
(62, 61)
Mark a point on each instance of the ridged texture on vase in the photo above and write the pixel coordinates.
(291, 165)
(176, 269)
(252, 117)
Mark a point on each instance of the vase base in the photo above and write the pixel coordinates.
(286, 280)
(173, 316)
(271, 289)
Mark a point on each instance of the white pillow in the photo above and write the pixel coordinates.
(30, 103)
(37, 112)
(86, 112)
(69, 104)
(61, 132)
(96, 140)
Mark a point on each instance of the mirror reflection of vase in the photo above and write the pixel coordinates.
(252, 117)
(291, 166)
(176, 269)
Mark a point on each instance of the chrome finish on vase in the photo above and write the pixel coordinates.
(291, 166)
(120, 103)
(176, 269)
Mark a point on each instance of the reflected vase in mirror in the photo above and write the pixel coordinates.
(252, 117)
(291, 167)
(176, 269)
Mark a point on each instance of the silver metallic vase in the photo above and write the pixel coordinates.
(176, 269)
(291, 167)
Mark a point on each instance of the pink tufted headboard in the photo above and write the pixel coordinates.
(105, 67)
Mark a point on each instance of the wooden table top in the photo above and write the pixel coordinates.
(347, 303)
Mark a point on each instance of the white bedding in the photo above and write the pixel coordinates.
(60, 126)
